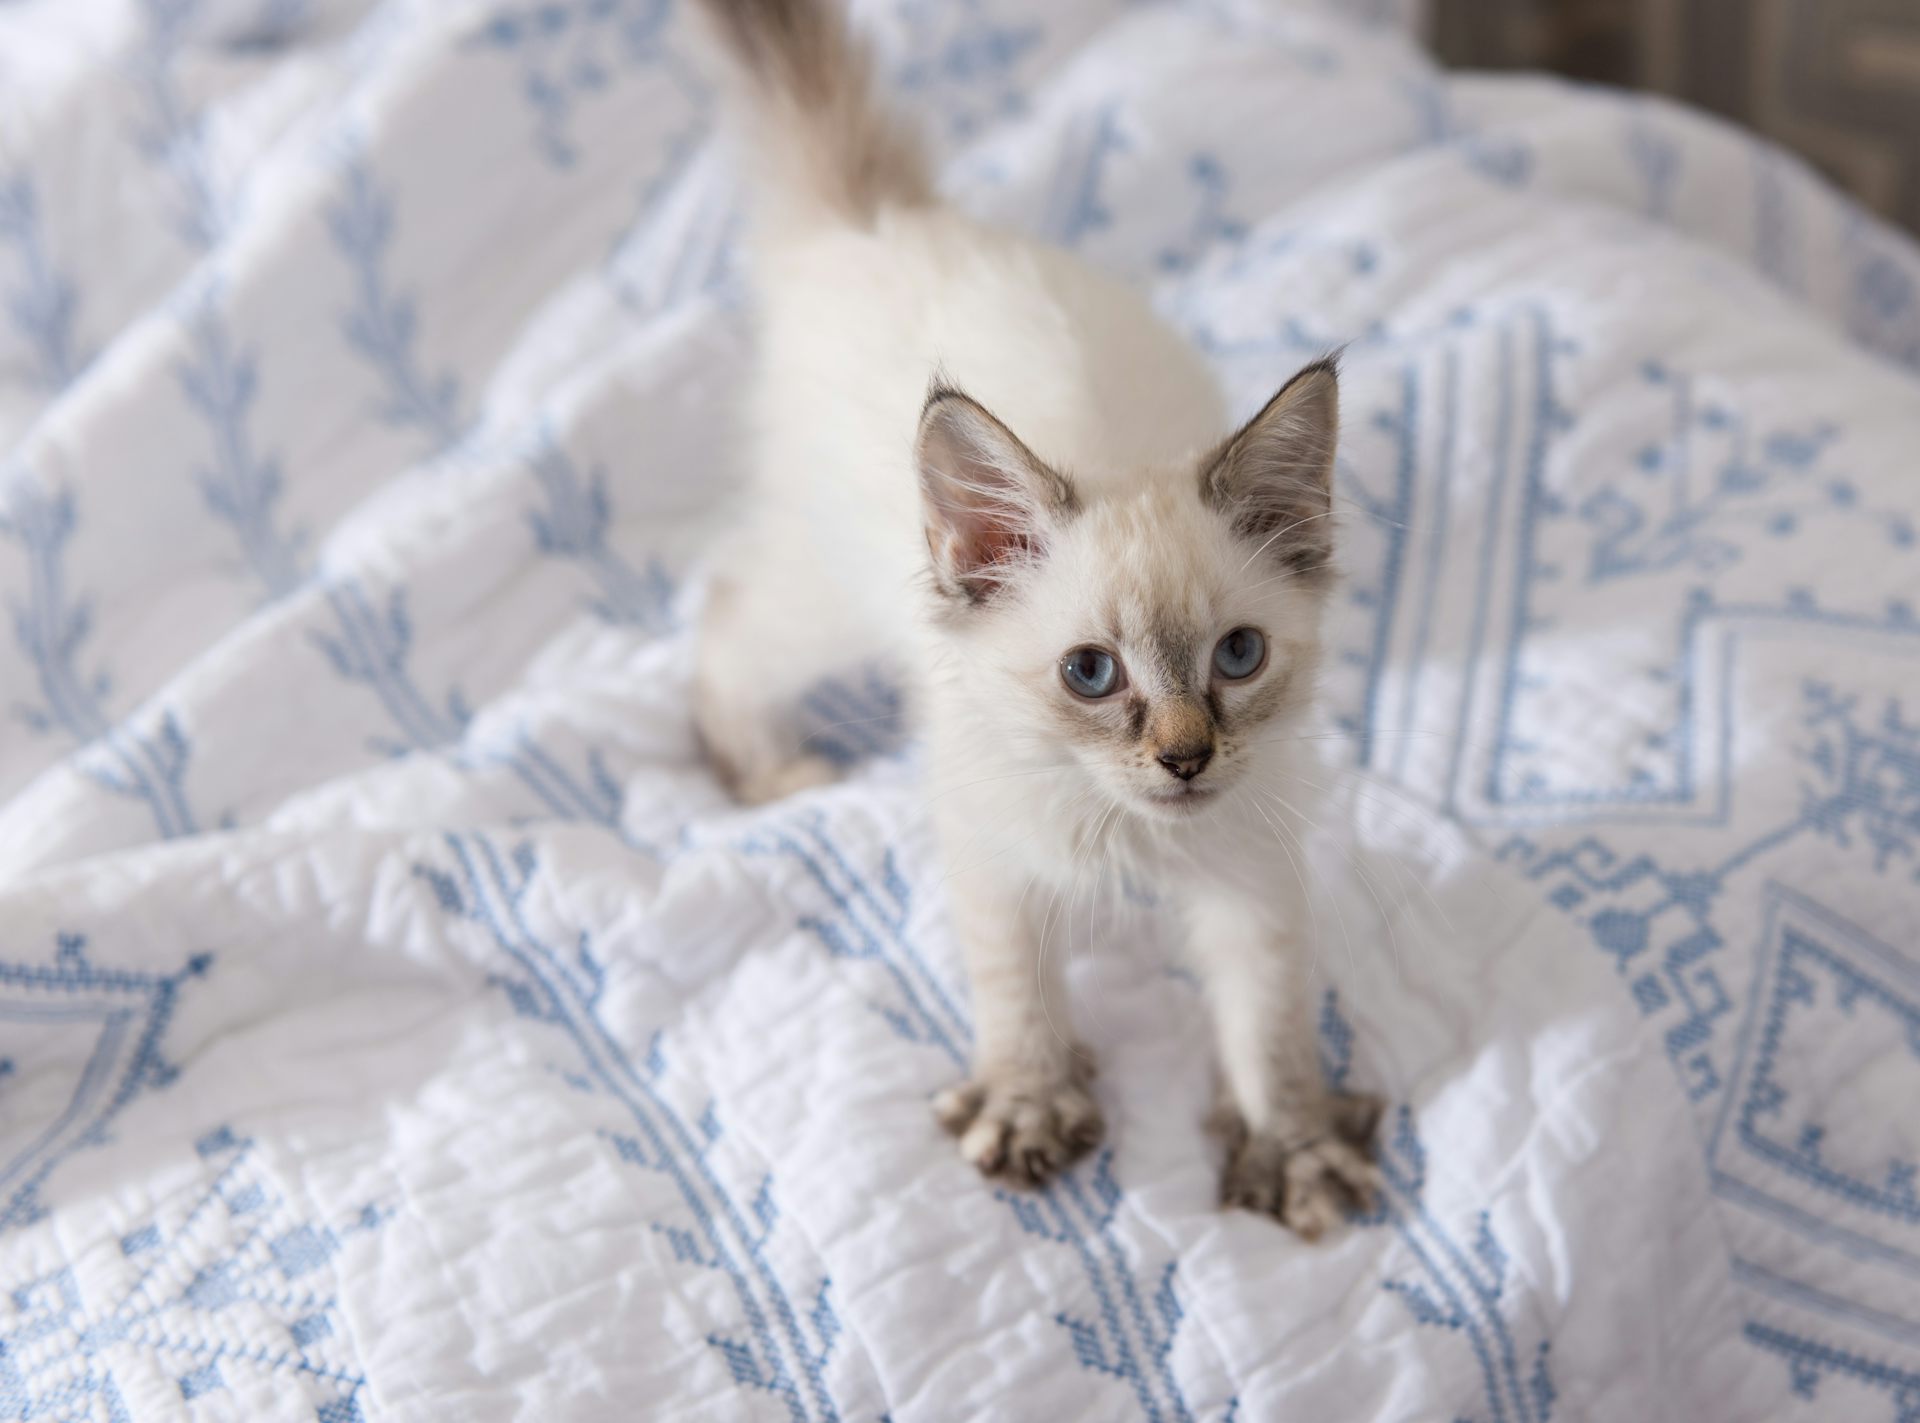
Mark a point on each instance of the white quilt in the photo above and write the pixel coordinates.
(397, 1022)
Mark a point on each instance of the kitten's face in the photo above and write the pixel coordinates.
(1158, 651)
(1160, 638)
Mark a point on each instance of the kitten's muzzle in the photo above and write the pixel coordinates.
(1186, 762)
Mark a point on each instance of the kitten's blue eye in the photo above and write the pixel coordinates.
(1090, 672)
(1240, 654)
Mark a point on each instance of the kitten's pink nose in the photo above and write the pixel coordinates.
(1186, 762)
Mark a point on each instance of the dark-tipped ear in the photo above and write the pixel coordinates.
(991, 503)
(1274, 478)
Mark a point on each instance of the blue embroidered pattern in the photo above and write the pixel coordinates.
(124, 1015)
(381, 326)
(1130, 1332)
(242, 487)
(51, 626)
(42, 306)
(229, 1284)
(573, 524)
(570, 50)
(786, 1342)
(173, 135)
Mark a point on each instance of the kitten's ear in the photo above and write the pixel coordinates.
(991, 503)
(1274, 478)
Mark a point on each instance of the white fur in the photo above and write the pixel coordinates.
(831, 567)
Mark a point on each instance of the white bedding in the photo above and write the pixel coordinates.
(397, 1022)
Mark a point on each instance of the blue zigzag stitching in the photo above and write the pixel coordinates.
(1862, 780)
(569, 50)
(171, 134)
(573, 525)
(50, 629)
(42, 307)
(1132, 1336)
(961, 63)
(129, 1014)
(1462, 1288)
(561, 987)
(1810, 1363)
(242, 487)
(382, 323)
(236, 1266)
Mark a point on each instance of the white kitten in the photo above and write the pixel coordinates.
(997, 469)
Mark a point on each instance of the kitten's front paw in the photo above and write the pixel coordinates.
(1306, 1183)
(1021, 1128)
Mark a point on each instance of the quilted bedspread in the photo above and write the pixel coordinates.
(398, 1022)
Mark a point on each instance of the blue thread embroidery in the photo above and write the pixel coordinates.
(1131, 1333)
(1075, 207)
(43, 306)
(1773, 483)
(172, 135)
(50, 627)
(382, 324)
(961, 63)
(1866, 782)
(1655, 153)
(1211, 224)
(1457, 1287)
(242, 487)
(126, 1014)
(562, 988)
(1810, 1363)
(213, 1282)
(573, 525)
(1503, 160)
(570, 50)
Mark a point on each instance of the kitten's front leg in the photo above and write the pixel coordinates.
(1027, 1113)
(1295, 1150)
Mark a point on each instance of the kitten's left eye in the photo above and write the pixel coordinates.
(1090, 672)
(1240, 654)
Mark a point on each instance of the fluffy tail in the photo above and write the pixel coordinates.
(827, 148)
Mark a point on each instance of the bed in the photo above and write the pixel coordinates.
(398, 1022)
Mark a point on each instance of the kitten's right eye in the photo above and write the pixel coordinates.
(1091, 672)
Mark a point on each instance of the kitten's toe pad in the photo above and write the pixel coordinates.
(1021, 1129)
(1307, 1185)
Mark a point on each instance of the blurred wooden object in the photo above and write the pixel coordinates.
(1838, 80)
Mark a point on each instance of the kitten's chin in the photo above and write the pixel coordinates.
(1174, 806)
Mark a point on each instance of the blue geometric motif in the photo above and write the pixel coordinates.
(203, 1297)
(1864, 787)
(122, 1017)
